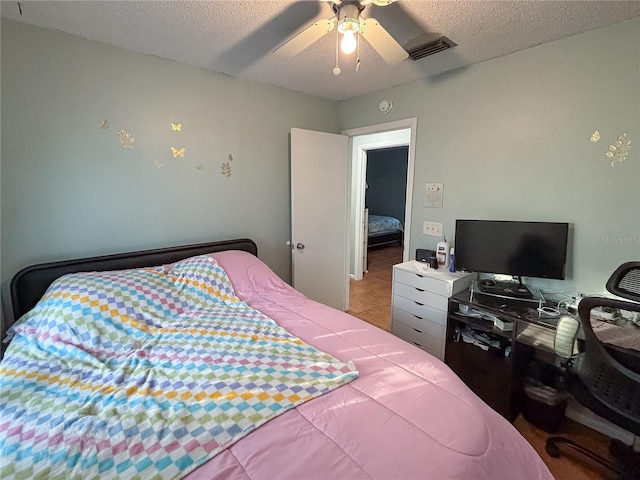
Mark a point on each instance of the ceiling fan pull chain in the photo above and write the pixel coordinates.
(336, 69)
(358, 52)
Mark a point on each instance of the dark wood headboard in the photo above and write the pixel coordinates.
(30, 283)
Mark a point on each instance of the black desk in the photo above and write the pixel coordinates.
(493, 374)
(496, 374)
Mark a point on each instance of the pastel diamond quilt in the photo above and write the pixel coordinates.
(146, 373)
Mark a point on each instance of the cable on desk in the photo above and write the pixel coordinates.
(549, 312)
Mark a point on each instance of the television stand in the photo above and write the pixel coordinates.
(502, 297)
(496, 374)
(505, 289)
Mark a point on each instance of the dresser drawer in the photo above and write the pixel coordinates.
(431, 283)
(422, 311)
(421, 296)
(433, 345)
(421, 324)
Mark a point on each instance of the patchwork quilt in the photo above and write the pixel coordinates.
(146, 373)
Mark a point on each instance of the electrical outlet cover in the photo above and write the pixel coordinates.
(432, 228)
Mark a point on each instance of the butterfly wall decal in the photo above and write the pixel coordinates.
(178, 152)
(176, 127)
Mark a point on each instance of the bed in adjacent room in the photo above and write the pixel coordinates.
(383, 230)
(199, 362)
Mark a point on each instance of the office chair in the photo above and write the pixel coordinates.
(605, 380)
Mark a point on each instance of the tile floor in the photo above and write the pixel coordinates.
(370, 298)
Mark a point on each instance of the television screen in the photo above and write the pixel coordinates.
(523, 249)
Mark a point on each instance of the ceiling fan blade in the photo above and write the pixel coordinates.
(381, 41)
(306, 37)
(261, 42)
(379, 3)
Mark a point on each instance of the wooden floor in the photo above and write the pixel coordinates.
(370, 300)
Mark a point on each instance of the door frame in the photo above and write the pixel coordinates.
(358, 179)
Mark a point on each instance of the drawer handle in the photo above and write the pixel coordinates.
(418, 303)
(416, 330)
(416, 344)
(418, 275)
(419, 318)
(419, 289)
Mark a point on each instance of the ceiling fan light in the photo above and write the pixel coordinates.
(348, 18)
(349, 25)
(348, 43)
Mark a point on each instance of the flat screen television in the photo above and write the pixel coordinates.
(520, 249)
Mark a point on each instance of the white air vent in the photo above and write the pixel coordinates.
(430, 48)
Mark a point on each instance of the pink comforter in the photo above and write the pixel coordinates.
(407, 416)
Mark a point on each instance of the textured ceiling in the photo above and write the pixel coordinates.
(237, 37)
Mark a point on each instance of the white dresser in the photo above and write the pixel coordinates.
(419, 304)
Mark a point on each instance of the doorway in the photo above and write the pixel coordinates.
(370, 293)
(309, 248)
(393, 134)
(385, 199)
(385, 205)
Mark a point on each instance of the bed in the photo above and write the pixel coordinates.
(383, 230)
(397, 413)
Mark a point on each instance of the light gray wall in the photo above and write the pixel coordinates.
(510, 139)
(69, 189)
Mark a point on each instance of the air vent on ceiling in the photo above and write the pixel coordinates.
(426, 49)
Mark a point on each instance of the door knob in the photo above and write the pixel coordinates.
(300, 246)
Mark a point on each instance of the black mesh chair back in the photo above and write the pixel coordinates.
(608, 378)
(625, 281)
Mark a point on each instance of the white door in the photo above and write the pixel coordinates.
(319, 216)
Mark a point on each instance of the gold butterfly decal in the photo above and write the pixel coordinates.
(595, 136)
(176, 127)
(178, 152)
(126, 139)
(105, 125)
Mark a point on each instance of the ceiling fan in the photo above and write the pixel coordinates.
(351, 25)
